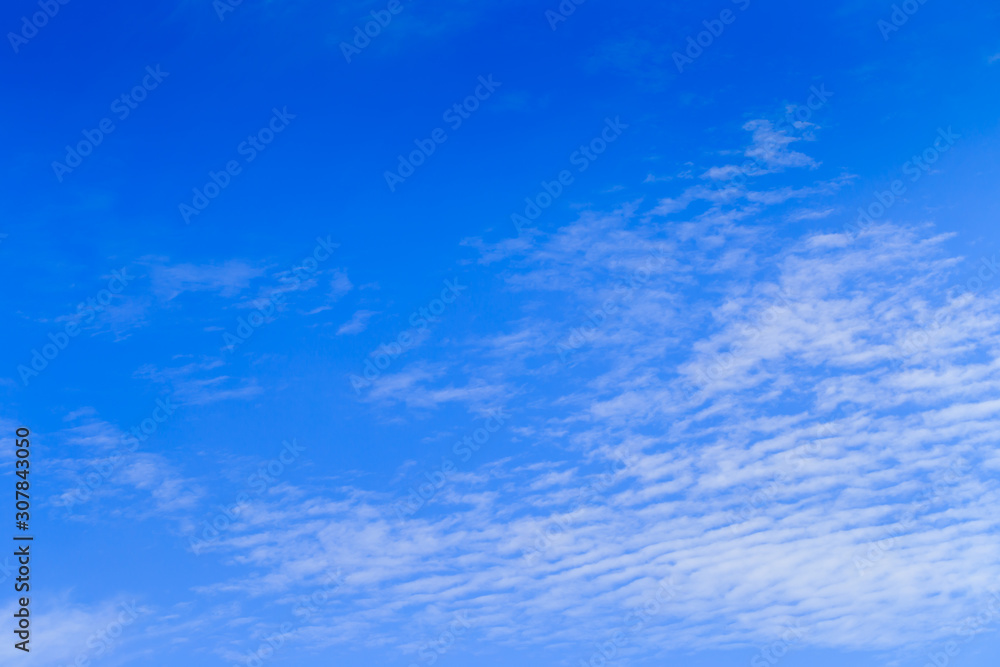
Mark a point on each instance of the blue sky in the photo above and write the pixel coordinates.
(607, 370)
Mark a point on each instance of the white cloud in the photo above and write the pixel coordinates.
(811, 214)
(769, 152)
(228, 279)
(340, 285)
(774, 424)
(357, 324)
(770, 148)
(723, 490)
(65, 633)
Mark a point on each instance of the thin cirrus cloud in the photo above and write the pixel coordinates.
(770, 151)
(676, 509)
(691, 372)
(748, 443)
(228, 278)
(357, 324)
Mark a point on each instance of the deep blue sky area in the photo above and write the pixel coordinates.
(630, 273)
